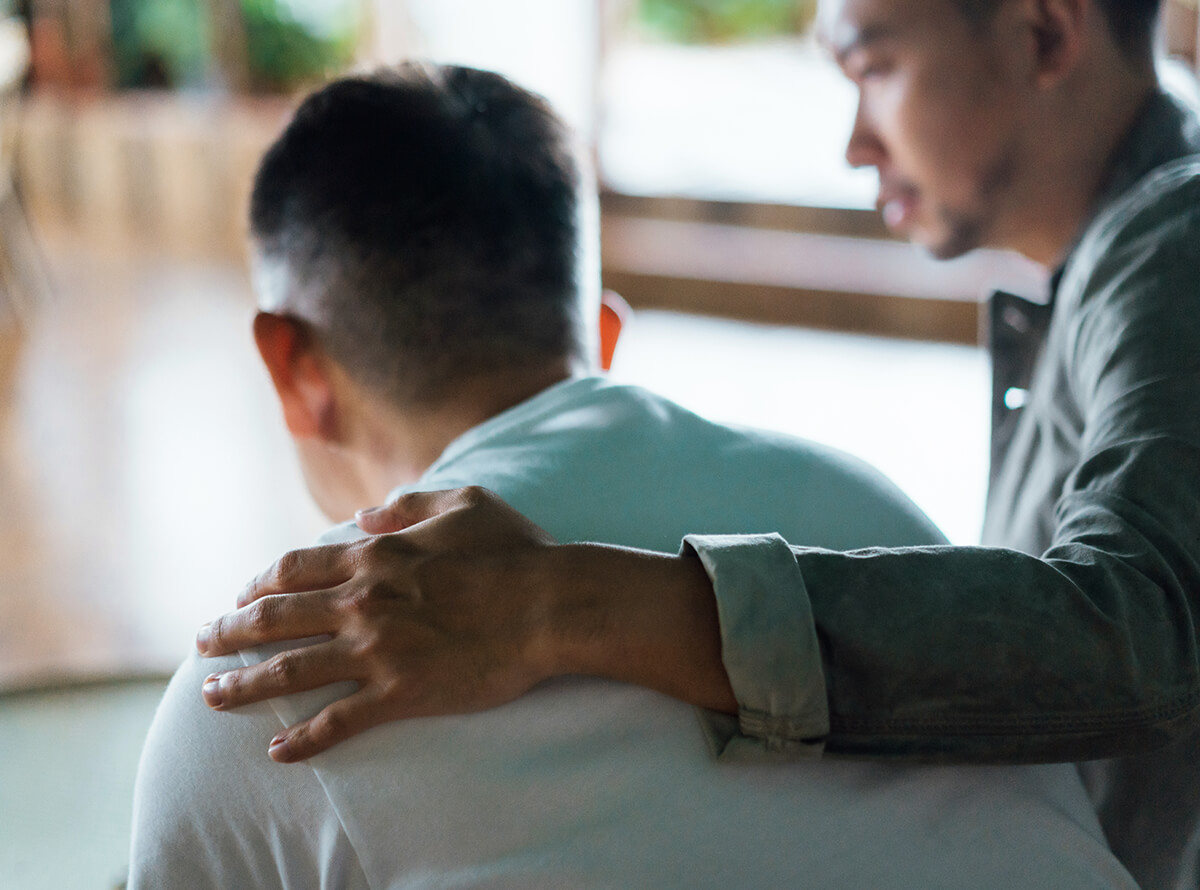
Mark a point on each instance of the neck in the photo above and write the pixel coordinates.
(396, 445)
(1077, 141)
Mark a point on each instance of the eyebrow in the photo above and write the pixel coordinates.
(861, 38)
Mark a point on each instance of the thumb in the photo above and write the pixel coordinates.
(405, 511)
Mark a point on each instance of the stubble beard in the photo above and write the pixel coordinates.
(970, 229)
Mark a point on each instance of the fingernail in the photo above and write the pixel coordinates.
(279, 750)
(368, 511)
(212, 690)
(203, 638)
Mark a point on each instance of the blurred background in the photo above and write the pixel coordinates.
(144, 472)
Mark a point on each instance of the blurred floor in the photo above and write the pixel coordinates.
(68, 765)
(144, 476)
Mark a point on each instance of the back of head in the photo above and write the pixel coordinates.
(424, 220)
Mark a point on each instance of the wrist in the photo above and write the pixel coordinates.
(572, 618)
(631, 615)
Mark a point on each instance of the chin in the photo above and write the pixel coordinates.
(949, 245)
(948, 251)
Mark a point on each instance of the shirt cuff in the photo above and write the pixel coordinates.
(769, 648)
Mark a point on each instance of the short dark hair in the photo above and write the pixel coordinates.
(1130, 21)
(434, 212)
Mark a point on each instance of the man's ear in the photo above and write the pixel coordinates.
(614, 312)
(297, 370)
(1059, 35)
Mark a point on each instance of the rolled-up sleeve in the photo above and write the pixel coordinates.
(769, 648)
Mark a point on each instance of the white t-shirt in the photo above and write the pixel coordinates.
(591, 783)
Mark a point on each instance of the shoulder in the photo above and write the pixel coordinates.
(732, 479)
(1156, 220)
(210, 807)
(613, 462)
(1165, 197)
(1133, 278)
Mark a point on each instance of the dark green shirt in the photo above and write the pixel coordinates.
(1074, 635)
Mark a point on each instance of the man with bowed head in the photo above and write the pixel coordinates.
(424, 272)
(1033, 125)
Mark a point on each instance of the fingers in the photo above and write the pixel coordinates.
(296, 670)
(339, 721)
(380, 520)
(267, 620)
(312, 568)
(410, 509)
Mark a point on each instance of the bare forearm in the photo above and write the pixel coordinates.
(635, 616)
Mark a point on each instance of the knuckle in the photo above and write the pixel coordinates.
(360, 601)
(262, 614)
(355, 602)
(286, 567)
(378, 552)
(396, 690)
(476, 495)
(402, 502)
(329, 726)
(364, 646)
(370, 598)
(375, 647)
(373, 548)
(282, 670)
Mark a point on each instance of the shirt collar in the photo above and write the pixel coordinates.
(549, 401)
(1164, 130)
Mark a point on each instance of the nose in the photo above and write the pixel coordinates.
(864, 148)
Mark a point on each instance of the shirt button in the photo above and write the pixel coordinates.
(1016, 319)
(1015, 397)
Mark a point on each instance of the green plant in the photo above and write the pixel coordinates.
(723, 21)
(283, 52)
(168, 43)
(159, 42)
